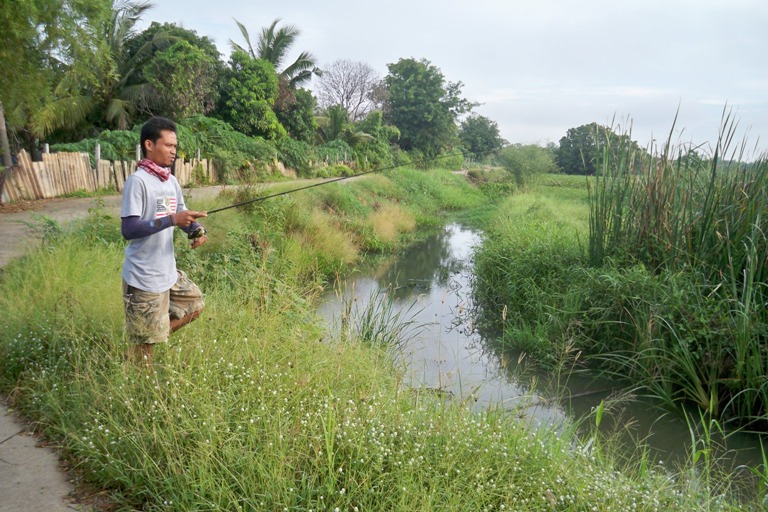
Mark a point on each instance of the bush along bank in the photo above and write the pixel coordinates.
(252, 407)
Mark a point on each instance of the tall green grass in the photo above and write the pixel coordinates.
(252, 408)
(703, 216)
(662, 332)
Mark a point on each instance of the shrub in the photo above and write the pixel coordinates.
(88, 146)
(295, 154)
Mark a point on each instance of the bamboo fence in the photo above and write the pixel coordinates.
(61, 174)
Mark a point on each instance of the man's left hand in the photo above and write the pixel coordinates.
(197, 242)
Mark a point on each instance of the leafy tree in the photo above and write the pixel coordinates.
(584, 148)
(94, 88)
(332, 123)
(185, 78)
(298, 117)
(248, 96)
(146, 48)
(158, 37)
(480, 135)
(378, 151)
(335, 125)
(526, 161)
(35, 34)
(578, 149)
(423, 106)
(350, 85)
(273, 45)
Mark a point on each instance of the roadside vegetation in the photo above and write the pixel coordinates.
(254, 406)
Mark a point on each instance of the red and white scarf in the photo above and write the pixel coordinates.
(152, 168)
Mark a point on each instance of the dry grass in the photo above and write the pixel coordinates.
(391, 220)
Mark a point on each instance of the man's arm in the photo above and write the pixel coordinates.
(133, 227)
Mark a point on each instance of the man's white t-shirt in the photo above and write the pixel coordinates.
(150, 262)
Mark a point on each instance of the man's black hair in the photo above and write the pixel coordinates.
(152, 128)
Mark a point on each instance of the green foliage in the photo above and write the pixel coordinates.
(93, 89)
(423, 106)
(496, 183)
(251, 89)
(480, 135)
(273, 46)
(159, 37)
(334, 151)
(295, 154)
(124, 143)
(236, 154)
(525, 162)
(703, 217)
(332, 125)
(298, 118)
(88, 146)
(582, 149)
(185, 76)
(254, 405)
(34, 31)
(667, 287)
(452, 160)
(328, 171)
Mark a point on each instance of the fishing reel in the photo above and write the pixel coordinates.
(198, 232)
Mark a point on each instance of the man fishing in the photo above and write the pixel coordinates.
(158, 298)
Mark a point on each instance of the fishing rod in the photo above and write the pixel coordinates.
(334, 180)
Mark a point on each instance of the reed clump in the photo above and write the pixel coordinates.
(701, 216)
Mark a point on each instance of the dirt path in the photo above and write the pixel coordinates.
(18, 223)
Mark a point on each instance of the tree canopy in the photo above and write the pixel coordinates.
(423, 106)
(185, 79)
(584, 148)
(249, 93)
(273, 45)
(41, 38)
(480, 135)
(526, 161)
(77, 72)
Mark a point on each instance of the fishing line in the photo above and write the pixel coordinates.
(334, 180)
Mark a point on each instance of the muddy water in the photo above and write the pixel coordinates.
(448, 355)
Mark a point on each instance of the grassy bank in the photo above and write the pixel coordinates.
(252, 407)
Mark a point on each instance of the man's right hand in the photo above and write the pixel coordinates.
(185, 218)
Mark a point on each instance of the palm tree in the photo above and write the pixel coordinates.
(95, 83)
(273, 45)
(335, 125)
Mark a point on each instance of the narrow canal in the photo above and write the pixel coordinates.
(444, 352)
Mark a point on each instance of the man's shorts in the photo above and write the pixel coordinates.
(148, 314)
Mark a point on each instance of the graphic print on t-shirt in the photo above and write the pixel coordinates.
(166, 205)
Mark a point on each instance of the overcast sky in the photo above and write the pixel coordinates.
(540, 67)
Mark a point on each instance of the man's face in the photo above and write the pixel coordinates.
(162, 151)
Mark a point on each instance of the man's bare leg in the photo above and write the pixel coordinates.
(178, 323)
(141, 353)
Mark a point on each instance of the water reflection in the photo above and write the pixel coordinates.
(428, 264)
(451, 356)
